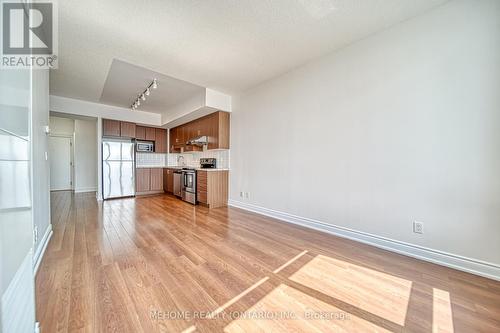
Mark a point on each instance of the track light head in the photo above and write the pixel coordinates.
(146, 92)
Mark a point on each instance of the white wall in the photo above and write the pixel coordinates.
(402, 126)
(62, 126)
(40, 169)
(195, 107)
(83, 108)
(85, 155)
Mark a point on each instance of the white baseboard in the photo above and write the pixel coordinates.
(42, 246)
(18, 306)
(85, 189)
(465, 264)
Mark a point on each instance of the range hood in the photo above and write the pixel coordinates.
(199, 141)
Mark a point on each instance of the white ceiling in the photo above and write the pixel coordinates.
(225, 45)
(125, 82)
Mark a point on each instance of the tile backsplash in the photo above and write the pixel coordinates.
(193, 159)
(150, 159)
(185, 159)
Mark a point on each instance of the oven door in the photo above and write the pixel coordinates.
(189, 181)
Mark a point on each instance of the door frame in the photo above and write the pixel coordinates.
(71, 158)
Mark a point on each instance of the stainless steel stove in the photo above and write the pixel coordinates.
(189, 185)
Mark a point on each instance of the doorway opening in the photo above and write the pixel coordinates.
(73, 153)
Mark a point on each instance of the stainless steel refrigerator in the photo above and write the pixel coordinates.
(118, 168)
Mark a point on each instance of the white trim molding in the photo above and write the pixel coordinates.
(18, 300)
(461, 263)
(86, 189)
(40, 251)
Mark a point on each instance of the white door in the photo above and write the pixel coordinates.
(60, 163)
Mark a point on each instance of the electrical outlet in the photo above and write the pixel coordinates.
(418, 227)
(247, 194)
(35, 234)
(241, 194)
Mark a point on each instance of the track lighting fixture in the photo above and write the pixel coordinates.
(147, 92)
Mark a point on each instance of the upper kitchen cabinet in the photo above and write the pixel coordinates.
(181, 136)
(198, 128)
(127, 129)
(111, 127)
(140, 133)
(218, 130)
(150, 134)
(160, 140)
(118, 128)
(214, 126)
(177, 141)
(172, 134)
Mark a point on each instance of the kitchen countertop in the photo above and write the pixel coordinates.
(149, 167)
(178, 167)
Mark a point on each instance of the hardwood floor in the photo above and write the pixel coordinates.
(157, 264)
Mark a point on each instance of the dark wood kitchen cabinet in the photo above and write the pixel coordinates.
(156, 179)
(111, 127)
(158, 135)
(140, 133)
(160, 140)
(174, 148)
(180, 139)
(150, 134)
(168, 180)
(148, 180)
(215, 126)
(142, 180)
(116, 128)
(127, 130)
(198, 128)
(218, 130)
(212, 188)
(177, 142)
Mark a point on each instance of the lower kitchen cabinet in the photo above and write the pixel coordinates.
(212, 188)
(156, 179)
(168, 180)
(148, 180)
(142, 179)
